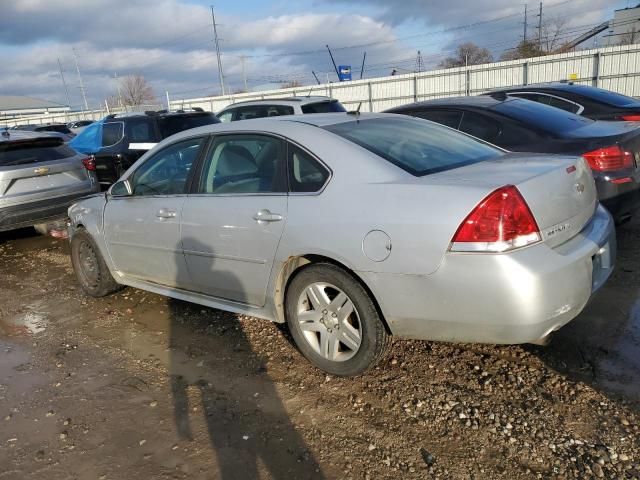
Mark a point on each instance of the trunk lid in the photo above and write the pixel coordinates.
(559, 190)
(39, 168)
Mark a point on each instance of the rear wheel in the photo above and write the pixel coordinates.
(90, 268)
(333, 320)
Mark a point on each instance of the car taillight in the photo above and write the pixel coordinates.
(630, 118)
(89, 163)
(500, 222)
(608, 158)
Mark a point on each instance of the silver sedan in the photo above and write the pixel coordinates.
(352, 228)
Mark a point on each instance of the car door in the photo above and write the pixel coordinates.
(233, 221)
(142, 230)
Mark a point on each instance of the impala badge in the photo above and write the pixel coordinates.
(41, 171)
(580, 188)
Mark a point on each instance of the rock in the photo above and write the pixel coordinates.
(153, 404)
(427, 458)
(597, 470)
(372, 447)
(142, 442)
(622, 457)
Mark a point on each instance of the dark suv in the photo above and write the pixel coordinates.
(126, 137)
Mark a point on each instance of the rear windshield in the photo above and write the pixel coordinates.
(177, 123)
(323, 107)
(544, 117)
(605, 96)
(417, 146)
(33, 151)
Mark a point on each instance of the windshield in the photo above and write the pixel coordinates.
(544, 117)
(323, 107)
(417, 146)
(177, 123)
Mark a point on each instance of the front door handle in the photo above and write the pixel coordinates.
(267, 216)
(164, 213)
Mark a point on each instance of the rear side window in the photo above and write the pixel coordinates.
(33, 151)
(549, 100)
(261, 111)
(416, 146)
(54, 128)
(450, 118)
(112, 133)
(305, 173)
(323, 107)
(226, 116)
(178, 123)
(480, 126)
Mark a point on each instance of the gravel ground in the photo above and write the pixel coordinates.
(139, 386)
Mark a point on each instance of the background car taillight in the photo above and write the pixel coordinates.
(500, 222)
(609, 158)
(632, 117)
(89, 163)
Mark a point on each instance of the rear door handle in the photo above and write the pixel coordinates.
(267, 216)
(164, 213)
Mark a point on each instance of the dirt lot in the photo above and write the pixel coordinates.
(138, 386)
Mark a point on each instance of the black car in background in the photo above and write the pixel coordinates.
(612, 149)
(126, 137)
(590, 102)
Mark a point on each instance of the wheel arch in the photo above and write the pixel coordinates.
(295, 264)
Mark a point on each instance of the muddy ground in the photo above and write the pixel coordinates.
(136, 386)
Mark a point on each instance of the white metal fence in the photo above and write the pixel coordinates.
(66, 117)
(613, 68)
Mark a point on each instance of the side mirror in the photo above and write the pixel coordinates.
(121, 188)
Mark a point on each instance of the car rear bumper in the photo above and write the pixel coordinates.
(41, 211)
(517, 297)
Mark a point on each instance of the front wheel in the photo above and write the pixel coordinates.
(334, 321)
(90, 268)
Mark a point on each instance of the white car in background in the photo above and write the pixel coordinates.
(275, 107)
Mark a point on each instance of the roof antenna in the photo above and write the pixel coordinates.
(356, 112)
(309, 92)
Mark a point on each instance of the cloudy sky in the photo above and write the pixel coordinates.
(170, 41)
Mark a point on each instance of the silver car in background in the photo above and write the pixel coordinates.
(352, 228)
(40, 177)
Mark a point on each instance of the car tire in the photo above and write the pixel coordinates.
(89, 266)
(347, 337)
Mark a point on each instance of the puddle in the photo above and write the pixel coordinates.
(33, 321)
(604, 342)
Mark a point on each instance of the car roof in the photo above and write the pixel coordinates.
(15, 135)
(481, 101)
(283, 101)
(156, 114)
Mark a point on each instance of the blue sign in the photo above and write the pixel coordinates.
(344, 73)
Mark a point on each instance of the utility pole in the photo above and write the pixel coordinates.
(364, 57)
(120, 102)
(334, 63)
(66, 90)
(168, 102)
(524, 36)
(540, 28)
(244, 73)
(217, 42)
(84, 95)
(419, 63)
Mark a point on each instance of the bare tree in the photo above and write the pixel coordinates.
(135, 91)
(467, 54)
(522, 50)
(553, 29)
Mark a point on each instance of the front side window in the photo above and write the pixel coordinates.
(166, 172)
(112, 133)
(305, 173)
(414, 145)
(226, 116)
(244, 164)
